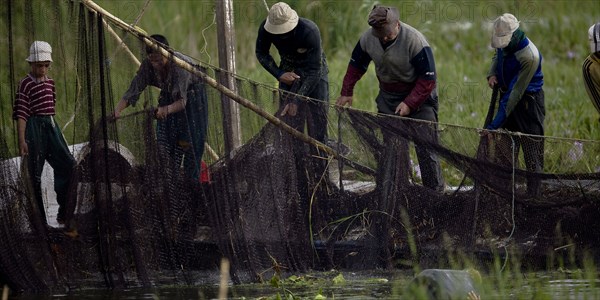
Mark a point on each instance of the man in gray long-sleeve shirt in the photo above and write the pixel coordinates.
(405, 70)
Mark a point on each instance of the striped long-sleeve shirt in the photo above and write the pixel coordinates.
(34, 97)
(591, 78)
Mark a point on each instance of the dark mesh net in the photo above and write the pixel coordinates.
(281, 202)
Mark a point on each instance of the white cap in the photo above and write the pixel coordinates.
(282, 19)
(39, 51)
(504, 26)
(594, 37)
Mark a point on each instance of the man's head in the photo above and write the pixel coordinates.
(594, 37)
(154, 56)
(385, 22)
(161, 40)
(504, 27)
(282, 19)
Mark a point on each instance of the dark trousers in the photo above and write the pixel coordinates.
(527, 117)
(182, 135)
(311, 115)
(429, 164)
(311, 164)
(47, 143)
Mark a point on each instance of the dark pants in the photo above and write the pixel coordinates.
(429, 164)
(182, 135)
(46, 143)
(312, 115)
(527, 117)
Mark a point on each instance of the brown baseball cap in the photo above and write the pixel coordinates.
(382, 19)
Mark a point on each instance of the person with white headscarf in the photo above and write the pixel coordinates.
(516, 71)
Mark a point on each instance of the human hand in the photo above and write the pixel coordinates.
(343, 100)
(290, 109)
(473, 296)
(492, 81)
(23, 148)
(483, 132)
(161, 112)
(402, 109)
(289, 78)
(114, 116)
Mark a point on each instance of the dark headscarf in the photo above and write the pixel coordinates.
(516, 38)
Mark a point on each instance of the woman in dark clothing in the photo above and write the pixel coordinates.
(182, 112)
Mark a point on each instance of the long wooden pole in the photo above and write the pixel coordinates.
(226, 42)
(122, 44)
(235, 97)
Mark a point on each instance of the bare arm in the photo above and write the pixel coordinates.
(120, 107)
(163, 111)
(23, 148)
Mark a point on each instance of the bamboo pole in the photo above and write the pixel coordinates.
(226, 44)
(235, 97)
(122, 44)
(223, 283)
(5, 291)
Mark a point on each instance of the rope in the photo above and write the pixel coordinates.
(11, 54)
(514, 158)
(137, 19)
(214, 21)
(480, 153)
(194, 69)
(121, 45)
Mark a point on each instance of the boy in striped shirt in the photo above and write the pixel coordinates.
(40, 138)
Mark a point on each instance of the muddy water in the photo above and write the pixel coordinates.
(353, 286)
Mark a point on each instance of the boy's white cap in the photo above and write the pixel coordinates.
(594, 37)
(282, 19)
(39, 51)
(504, 26)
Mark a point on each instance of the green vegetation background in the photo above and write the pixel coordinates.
(458, 31)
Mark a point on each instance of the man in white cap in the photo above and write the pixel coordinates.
(516, 70)
(40, 138)
(591, 66)
(302, 70)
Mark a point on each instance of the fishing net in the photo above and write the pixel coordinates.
(278, 202)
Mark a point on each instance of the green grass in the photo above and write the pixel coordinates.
(457, 31)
